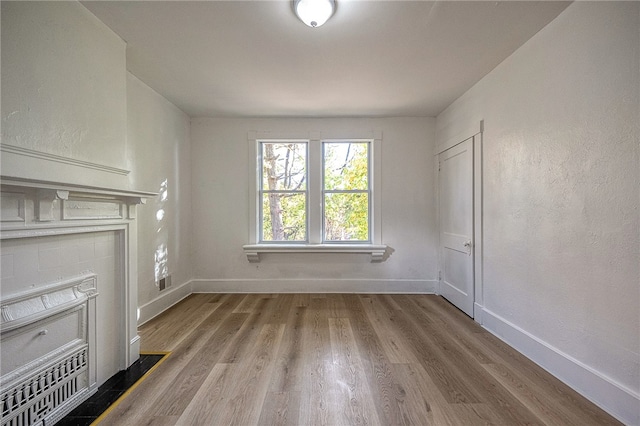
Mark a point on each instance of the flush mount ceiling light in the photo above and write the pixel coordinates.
(314, 12)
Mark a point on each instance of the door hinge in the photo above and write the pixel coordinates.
(439, 275)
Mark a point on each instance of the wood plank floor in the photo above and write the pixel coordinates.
(339, 359)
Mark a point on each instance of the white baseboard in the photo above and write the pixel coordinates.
(313, 286)
(477, 313)
(169, 298)
(134, 351)
(614, 398)
(164, 301)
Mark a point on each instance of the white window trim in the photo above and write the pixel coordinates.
(375, 248)
(253, 251)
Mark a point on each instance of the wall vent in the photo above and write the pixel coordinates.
(164, 283)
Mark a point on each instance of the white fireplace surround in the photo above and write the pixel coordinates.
(37, 313)
(49, 351)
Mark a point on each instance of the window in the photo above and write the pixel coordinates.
(284, 197)
(283, 191)
(345, 192)
(314, 195)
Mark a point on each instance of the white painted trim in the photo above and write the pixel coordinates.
(254, 164)
(50, 229)
(11, 149)
(378, 252)
(36, 304)
(164, 301)
(467, 132)
(478, 214)
(478, 311)
(363, 286)
(376, 188)
(131, 197)
(134, 345)
(615, 398)
(436, 182)
(12, 207)
(314, 219)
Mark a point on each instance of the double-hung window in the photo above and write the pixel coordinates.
(346, 191)
(315, 195)
(283, 191)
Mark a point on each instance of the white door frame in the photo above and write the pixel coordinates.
(476, 133)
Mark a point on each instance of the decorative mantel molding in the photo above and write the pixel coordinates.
(45, 203)
(12, 149)
(134, 197)
(32, 306)
(55, 202)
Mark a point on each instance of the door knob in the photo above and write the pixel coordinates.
(467, 244)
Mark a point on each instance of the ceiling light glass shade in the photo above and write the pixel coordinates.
(314, 12)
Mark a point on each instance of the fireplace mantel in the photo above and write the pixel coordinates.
(100, 203)
(34, 210)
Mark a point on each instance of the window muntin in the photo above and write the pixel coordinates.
(283, 191)
(346, 191)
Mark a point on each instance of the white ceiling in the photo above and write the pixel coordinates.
(372, 58)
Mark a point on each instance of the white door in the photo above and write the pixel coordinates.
(456, 225)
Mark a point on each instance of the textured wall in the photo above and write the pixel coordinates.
(159, 155)
(220, 153)
(561, 179)
(58, 96)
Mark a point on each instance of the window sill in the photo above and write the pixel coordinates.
(253, 251)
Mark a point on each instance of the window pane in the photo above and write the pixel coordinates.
(346, 217)
(284, 166)
(284, 217)
(346, 165)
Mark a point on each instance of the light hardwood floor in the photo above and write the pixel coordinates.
(339, 359)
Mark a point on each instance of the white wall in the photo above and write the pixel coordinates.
(72, 114)
(60, 97)
(64, 119)
(159, 157)
(220, 153)
(561, 199)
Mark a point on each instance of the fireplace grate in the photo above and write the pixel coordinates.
(46, 396)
